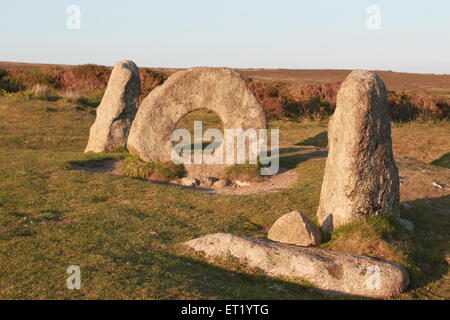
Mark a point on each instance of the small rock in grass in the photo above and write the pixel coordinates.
(206, 182)
(220, 184)
(188, 182)
(295, 228)
(242, 183)
(407, 224)
(278, 289)
(438, 185)
(407, 205)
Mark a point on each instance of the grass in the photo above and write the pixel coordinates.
(244, 172)
(136, 168)
(443, 161)
(38, 91)
(123, 232)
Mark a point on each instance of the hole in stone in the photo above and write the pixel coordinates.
(209, 120)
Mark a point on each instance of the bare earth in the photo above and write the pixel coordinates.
(417, 180)
(283, 180)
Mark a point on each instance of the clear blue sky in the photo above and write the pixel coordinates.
(414, 34)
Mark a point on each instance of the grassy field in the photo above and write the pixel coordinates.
(124, 232)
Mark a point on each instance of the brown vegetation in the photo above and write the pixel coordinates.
(75, 83)
(295, 94)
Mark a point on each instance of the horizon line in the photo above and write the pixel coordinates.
(238, 68)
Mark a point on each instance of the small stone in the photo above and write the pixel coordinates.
(407, 205)
(438, 185)
(188, 182)
(220, 184)
(407, 224)
(242, 183)
(295, 228)
(206, 182)
(278, 289)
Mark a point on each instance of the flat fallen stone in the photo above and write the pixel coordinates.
(295, 228)
(327, 270)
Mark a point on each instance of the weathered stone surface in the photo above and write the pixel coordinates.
(361, 177)
(295, 228)
(189, 182)
(327, 270)
(203, 170)
(221, 90)
(220, 184)
(117, 109)
(206, 182)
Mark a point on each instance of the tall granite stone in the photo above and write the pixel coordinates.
(117, 109)
(361, 177)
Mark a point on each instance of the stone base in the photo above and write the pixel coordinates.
(204, 170)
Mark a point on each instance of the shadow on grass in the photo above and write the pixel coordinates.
(291, 161)
(443, 161)
(209, 281)
(319, 140)
(95, 160)
(430, 239)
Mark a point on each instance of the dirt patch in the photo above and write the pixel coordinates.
(419, 180)
(416, 180)
(283, 180)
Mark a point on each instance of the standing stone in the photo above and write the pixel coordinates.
(361, 177)
(295, 228)
(117, 109)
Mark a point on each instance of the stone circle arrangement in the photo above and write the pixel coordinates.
(361, 178)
